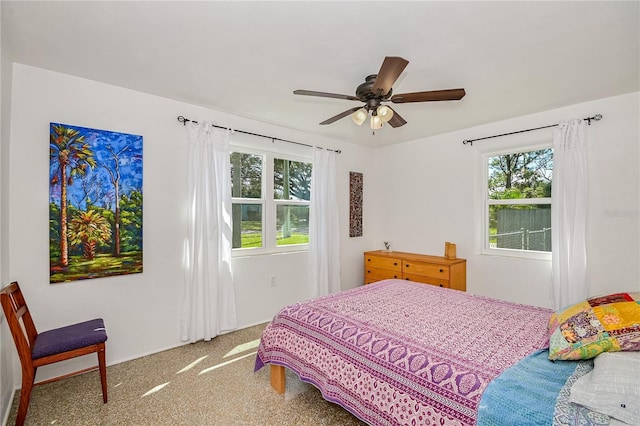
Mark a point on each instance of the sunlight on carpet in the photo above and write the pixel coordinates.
(243, 347)
(215, 367)
(155, 389)
(193, 364)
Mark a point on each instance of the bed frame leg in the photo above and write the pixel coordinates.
(277, 378)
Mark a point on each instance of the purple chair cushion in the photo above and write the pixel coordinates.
(68, 338)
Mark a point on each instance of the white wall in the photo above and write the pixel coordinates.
(427, 192)
(6, 342)
(141, 311)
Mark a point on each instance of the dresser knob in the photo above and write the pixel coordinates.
(440, 285)
(395, 263)
(395, 276)
(407, 265)
(441, 271)
(368, 260)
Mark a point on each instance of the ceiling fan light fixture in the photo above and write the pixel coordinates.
(376, 122)
(385, 113)
(359, 116)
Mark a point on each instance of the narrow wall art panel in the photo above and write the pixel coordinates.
(355, 204)
(95, 203)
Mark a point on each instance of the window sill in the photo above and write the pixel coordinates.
(520, 254)
(263, 252)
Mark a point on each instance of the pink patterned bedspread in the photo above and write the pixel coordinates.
(398, 352)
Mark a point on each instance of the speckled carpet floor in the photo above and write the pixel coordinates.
(206, 383)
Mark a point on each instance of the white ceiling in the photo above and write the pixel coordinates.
(246, 58)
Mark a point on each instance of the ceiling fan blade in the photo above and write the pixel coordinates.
(325, 95)
(389, 72)
(396, 120)
(432, 96)
(341, 115)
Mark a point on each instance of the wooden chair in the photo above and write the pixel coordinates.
(37, 349)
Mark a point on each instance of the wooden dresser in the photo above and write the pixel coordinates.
(421, 268)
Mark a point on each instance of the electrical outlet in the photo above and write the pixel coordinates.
(272, 281)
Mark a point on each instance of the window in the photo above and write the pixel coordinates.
(275, 222)
(518, 201)
(247, 201)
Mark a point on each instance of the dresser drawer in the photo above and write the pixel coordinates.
(427, 269)
(376, 274)
(383, 263)
(426, 280)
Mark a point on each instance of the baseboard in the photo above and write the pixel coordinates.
(120, 361)
(248, 326)
(5, 417)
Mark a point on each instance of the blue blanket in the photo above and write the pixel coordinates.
(535, 391)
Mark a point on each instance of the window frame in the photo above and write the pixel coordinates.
(269, 203)
(485, 247)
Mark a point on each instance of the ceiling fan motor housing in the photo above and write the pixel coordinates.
(364, 93)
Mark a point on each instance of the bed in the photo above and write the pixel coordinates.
(398, 352)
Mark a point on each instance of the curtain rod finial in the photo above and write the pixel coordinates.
(596, 117)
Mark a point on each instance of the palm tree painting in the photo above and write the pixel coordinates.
(95, 203)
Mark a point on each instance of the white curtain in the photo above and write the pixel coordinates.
(208, 305)
(569, 214)
(324, 235)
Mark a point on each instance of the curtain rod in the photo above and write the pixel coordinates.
(184, 121)
(596, 117)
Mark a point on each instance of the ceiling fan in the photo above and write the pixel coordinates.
(377, 89)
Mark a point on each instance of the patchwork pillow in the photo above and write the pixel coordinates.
(599, 324)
